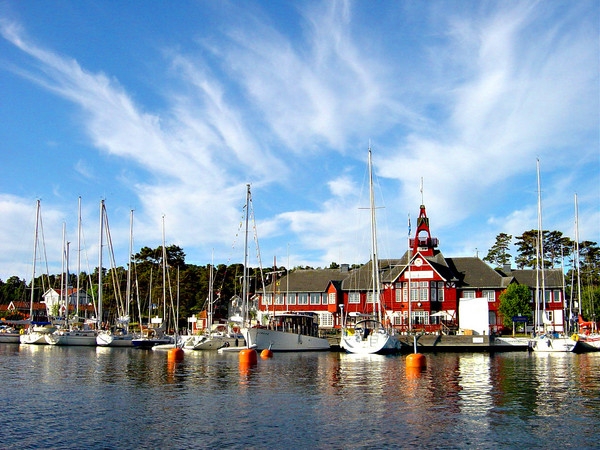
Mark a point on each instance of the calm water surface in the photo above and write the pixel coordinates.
(69, 397)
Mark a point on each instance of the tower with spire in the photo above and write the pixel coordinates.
(423, 242)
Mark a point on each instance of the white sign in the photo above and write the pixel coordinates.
(421, 275)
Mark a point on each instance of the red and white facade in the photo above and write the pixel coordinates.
(421, 291)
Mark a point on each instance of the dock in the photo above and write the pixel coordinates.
(432, 343)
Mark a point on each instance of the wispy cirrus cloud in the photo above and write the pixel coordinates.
(466, 97)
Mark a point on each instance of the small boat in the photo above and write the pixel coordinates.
(553, 343)
(117, 337)
(369, 336)
(9, 335)
(589, 341)
(36, 334)
(151, 337)
(203, 342)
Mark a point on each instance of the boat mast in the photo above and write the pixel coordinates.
(577, 267)
(67, 286)
(375, 265)
(78, 254)
(35, 242)
(129, 262)
(62, 270)
(210, 294)
(164, 273)
(100, 240)
(245, 275)
(541, 248)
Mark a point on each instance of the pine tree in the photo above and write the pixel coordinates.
(498, 255)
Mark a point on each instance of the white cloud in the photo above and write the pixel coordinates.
(468, 109)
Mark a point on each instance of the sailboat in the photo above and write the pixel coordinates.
(36, 332)
(369, 335)
(286, 332)
(155, 335)
(210, 340)
(76, 333)
(545, 340)
(118, 335)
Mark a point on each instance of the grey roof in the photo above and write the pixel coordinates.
(472, 272)
(308, 280)
(553, 278)
(361, 279)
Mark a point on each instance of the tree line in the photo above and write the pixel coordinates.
(190, 283)
(185, 284)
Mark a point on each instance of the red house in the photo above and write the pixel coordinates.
(421, 291)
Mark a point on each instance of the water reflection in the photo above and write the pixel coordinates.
(306, 400)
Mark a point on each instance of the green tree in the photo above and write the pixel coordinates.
(555, 247)
(526, 249)
(514, 301)
(498, 255)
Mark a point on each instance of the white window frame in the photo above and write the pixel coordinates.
(303, 298)
(424, 291)
(268, 299)
(332, 297)
(353, 298)
(490, 295)
(556, 297)
(290, 298)
(279, 299)
(325, 320)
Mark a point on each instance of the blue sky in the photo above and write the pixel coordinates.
(171, 108)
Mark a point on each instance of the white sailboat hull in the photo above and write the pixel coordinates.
(111, 340)
(550, 344)
(38, 335)
(72, 338)
(374, 343)
(283, 341)
(34, 338)
(203, 342)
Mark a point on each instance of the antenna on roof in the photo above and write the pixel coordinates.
(421, 189)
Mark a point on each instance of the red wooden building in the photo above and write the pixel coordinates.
(422, 290)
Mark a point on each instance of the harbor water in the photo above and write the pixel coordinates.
(79, 397)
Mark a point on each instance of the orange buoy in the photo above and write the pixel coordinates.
(266, 353)
(175, 354)
(416, 361)
(248, 356)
